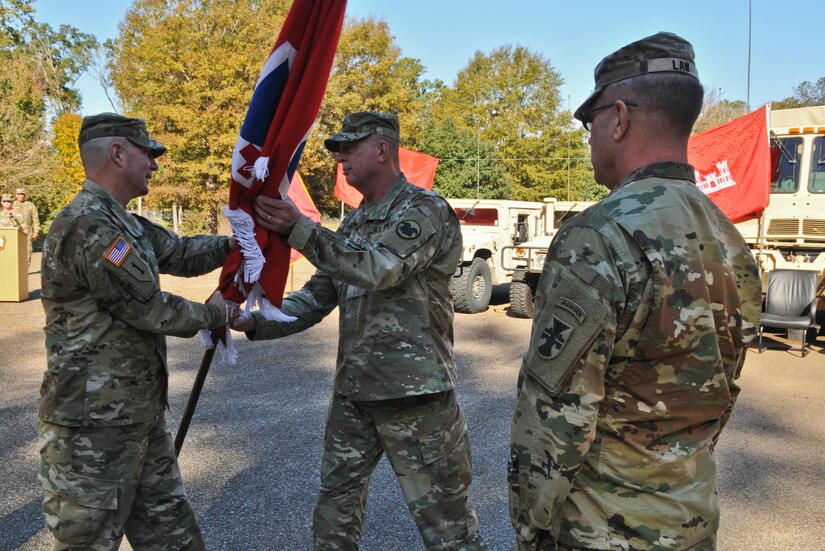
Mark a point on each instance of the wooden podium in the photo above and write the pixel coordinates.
(14, 266)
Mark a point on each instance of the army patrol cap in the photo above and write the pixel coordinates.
(7, 197)
(660, 53)
(362, 124)
(105, 125)
(20, 190)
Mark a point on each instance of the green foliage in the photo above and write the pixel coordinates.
(510, 98)
(806, 94)
(40, 66)
(468, 167)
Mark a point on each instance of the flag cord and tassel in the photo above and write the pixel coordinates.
(243, 229)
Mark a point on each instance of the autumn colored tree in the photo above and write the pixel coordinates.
(64, 140)
(189, 68)
(716, 111)
(40, 66)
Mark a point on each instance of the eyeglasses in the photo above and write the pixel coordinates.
(587, 118)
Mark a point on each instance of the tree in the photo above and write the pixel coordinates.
(59, 58)
(189, 68)
(806, 94)
(466, 169)
(64, 140)
(510, 99)
(716, 111)
(40, 67)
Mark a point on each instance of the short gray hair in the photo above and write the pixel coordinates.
(93, 152)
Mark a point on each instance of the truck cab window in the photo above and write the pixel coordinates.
(817, 179)
(785, 179)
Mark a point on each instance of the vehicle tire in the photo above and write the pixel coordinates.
(472, 289)
(521, 299)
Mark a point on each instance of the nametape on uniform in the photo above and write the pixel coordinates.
(118, 252)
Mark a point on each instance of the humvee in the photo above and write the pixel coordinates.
(487, 227)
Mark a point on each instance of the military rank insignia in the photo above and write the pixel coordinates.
(118, 252)
(408, 229)
(553, 338)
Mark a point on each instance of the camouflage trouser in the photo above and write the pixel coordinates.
(545, 542)
(425, 439)
(102, 482)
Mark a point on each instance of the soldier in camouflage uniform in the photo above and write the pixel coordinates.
(387, 269)
(26, 213)
(644, 312)
(108, 463)
(8, 218)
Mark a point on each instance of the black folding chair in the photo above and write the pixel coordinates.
(790, 304)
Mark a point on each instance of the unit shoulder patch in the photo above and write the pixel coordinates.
(408, 229)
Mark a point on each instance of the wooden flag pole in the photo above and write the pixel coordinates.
(192, 403)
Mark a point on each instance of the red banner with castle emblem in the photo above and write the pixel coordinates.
(733, 164)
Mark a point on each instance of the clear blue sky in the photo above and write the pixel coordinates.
(786, 49)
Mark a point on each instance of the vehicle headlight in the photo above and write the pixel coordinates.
(540, 260)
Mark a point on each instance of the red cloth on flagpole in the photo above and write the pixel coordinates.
(300, 196)
(282, 110)
(733, 164)
(419, 169)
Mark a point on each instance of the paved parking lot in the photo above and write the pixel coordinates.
(252, 456)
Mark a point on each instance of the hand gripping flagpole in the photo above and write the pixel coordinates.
(284, 105)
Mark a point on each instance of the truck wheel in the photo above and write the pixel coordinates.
(472, 289)
(521, 299)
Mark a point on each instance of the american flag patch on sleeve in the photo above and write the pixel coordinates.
(118, 252)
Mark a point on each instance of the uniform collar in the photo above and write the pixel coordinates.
(380, 209)
(670, 170)
(114, 207)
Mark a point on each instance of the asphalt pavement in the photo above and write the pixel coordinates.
(252, 456)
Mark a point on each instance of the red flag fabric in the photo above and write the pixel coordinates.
(419, 169)
(300, 196)
(733, 164)
(283, 108)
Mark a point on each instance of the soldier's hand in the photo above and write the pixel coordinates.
(276, 214)
(245, 322)
(217, 300)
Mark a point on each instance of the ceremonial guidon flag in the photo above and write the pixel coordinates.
(283, 108)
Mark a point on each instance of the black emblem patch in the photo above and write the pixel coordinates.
(553, 338)
(408, 229)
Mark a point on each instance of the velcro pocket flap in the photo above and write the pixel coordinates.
(572, 317)
(135, 274)
(85, 490)
(407, 235)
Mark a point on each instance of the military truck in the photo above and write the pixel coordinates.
(791, 231)
(525, 260)
(487, 227)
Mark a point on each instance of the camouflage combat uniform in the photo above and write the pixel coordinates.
(107, 460)
(26, 214)
(387, 268)
(643, 314)
(8, 219)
